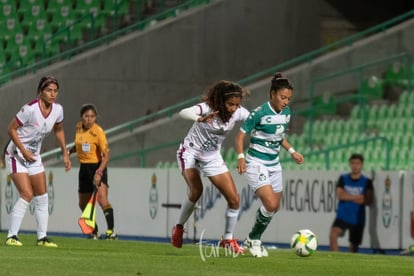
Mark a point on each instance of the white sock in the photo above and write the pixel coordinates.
(231, 221)
(265, 212)
(17, 215)
(41, 214)
(187, 207)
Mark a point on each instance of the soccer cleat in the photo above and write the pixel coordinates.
(408, 251)
(177, 235)
(46, 242)
(94, 236)
(111, 235)
(13, 241)
(256, 248)
(233, 246)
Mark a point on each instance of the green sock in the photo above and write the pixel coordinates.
(259, 226)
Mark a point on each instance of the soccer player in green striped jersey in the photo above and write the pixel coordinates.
(266, 126)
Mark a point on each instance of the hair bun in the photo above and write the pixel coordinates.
(278, 75)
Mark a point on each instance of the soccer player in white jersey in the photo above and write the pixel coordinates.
(266, 126)
(199, 153)
(29, 127)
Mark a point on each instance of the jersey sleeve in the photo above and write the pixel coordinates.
(251, 121)
(24, 115)
(191, 113)
(244, 114)
(59, 117)
(102, 141)
(341, 182)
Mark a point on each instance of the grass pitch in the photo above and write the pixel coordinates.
(79, 256)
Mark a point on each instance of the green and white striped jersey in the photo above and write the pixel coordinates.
(267, 130)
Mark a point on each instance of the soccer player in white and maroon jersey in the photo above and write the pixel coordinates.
(199, 153)
(29, 127)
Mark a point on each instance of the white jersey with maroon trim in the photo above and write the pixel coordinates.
(204, 139)
(34, 127)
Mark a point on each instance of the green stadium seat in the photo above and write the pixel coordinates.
(40, 29)
(13, 63)
(345, 138)
(83, 7)
(63, 16)
(411, 98)
(115, 7)
(389, 124)
(390, 136)
(63, 19)
(409, 125)
(10, 26)
(301, 141)
(396, 74)
(373, 112)
(338, 126)
(55, 6)
(402, 124)
(49, 48)
(116, 14)
(352, 125)
(306, 126)
(26, 5)
(356, 112)
(3, 69)
(93, 7)
(372, 88)
(377, 153)
(404, 98)
(38, 43)
(401, 111)
(324, 105)
(2, 58)
(372, 123)
(315, 126)
(99, 22)
(353, 137)
(8, 9)
(26, 55)
(331, 139)
(385, 111)
(293, 138)
(406, 140)
(339, 156)
(319, 130)
(29, 16)
(15, 41)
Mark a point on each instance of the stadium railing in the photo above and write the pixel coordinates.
(70, 49)
(361, 97)
(308, 57)
(114, 134)
(322, 154)
(364, 142)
